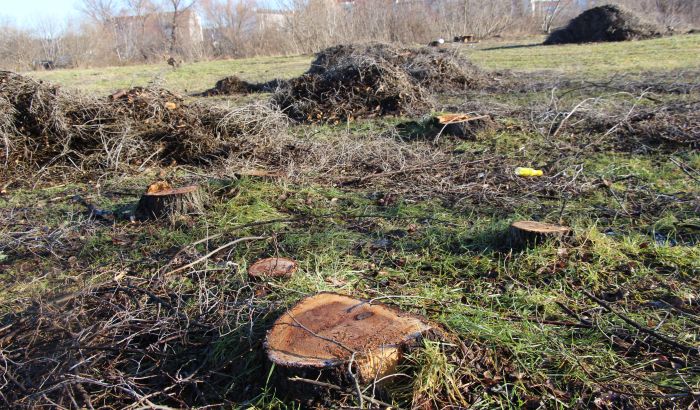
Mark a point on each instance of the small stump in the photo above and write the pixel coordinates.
(528, 233)
(318, 338)
(273, 268)
(462, 125)
(162, 201)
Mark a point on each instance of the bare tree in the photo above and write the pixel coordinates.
(50, 35)
(17, 47)
(234, 22)
(177, 8)
(99, 10)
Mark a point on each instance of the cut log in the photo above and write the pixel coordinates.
(324, 334)
(529, 233)
(273, 268)
(162, 201)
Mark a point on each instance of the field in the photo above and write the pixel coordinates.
(101, 311)
(588, 60)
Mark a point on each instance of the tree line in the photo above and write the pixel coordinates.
(114, 32)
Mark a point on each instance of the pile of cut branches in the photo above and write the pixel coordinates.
(122, 344)
(351, 81)
(604, 23)
(42, 125)
(672, 123)
(234, 85)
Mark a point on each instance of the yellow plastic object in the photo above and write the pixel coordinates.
(528, 172)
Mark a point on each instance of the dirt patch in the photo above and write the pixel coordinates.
(351, 81)
(604, 24)
(43, 125)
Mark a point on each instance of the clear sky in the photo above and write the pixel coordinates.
(26, 12)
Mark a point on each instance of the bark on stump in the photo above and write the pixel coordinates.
(272, 268)
(529, 233)
(169, 202)
(325, 336)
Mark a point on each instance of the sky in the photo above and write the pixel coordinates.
(26, 12)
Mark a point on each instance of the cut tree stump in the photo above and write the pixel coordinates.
(529, 233)
(273, 268)
(162, 201)
(462, 125)
(325, 336)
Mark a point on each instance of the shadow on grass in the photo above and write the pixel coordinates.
(513, 47)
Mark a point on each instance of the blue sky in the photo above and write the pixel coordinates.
(26, 12)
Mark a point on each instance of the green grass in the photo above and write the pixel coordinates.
(592, 60)
(507, 341)
(190, 78)
(587, 60)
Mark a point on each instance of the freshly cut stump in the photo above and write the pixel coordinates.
(273, 268)
(462, 125)
(162, 201)
(529, 233)
(318, 336)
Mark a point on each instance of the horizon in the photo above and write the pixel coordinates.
(33, 13)
(30, 14)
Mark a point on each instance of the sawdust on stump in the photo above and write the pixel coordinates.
(327, 335)
(273, 268)
(529, 233)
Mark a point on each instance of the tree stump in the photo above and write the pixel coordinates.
(529, 233)
(462, 125)
(272, 268)
(162, 201)
(325, 336)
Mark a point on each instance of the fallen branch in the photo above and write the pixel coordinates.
(693, 351)
(215, 251)
(340, 389)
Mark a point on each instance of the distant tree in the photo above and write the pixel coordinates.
(233, 21)
(99, 10)
(177, 8)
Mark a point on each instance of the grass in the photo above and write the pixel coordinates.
(190, 78)
(587, 60)
(592, 60)
(508, 342)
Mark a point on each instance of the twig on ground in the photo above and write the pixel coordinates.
(215, 251)
(340, 389)
(694, 351)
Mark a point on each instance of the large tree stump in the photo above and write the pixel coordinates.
(162, 201)
(327, 335)
(529, 233)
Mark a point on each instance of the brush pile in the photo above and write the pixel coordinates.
(230, 85)
(235, 85)
(603, 24)
(43, 125)
(351, 81)
(677, 124)
(119, 345)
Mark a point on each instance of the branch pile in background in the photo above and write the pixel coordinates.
(43, 125)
